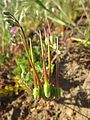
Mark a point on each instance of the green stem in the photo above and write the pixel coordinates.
(57, 81)
(49, 62)
(44, 67)
(45, 73)
(35, 78)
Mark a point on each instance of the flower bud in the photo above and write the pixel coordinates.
(47, 90)
(36, 92)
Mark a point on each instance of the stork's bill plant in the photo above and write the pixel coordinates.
(42, 87)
